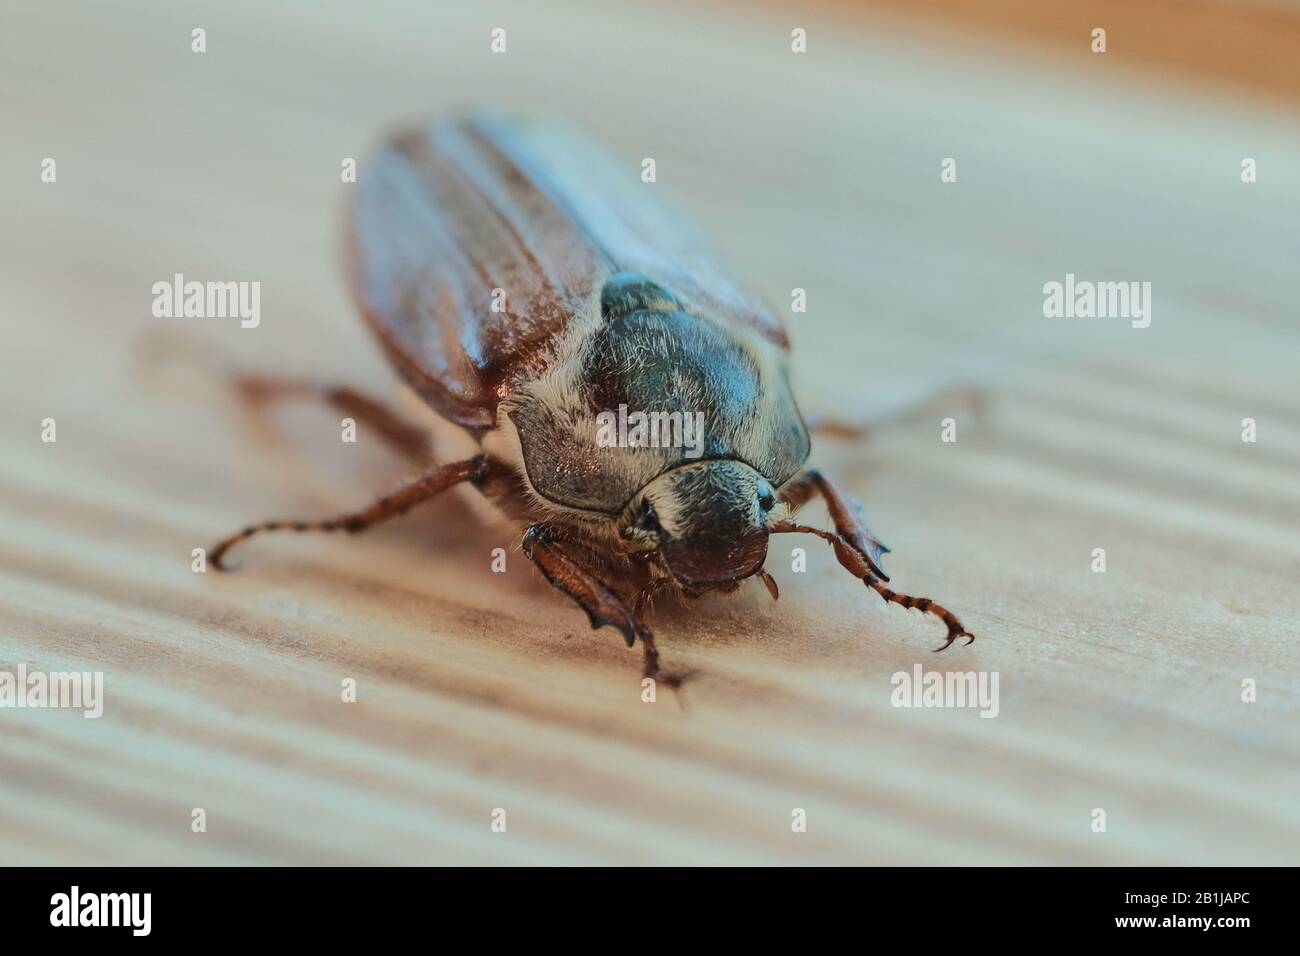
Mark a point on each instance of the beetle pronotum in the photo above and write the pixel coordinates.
(524, 287)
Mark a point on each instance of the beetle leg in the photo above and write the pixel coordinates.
(407, 439)
(389, 506)
(856, 548)
(651, 667)
(925, 606)
(962, 397)
(602, 605)
(840, 428)
(846, 514)
(853, 561)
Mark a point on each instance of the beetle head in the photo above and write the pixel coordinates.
(708, 520)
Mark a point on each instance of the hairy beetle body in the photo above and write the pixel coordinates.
(630, 400)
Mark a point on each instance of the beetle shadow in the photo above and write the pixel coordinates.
(716, 620)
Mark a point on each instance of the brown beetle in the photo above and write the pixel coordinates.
(526, 289)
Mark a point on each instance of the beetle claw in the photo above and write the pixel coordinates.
(953, 634)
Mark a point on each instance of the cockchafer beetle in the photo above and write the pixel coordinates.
(524, 286)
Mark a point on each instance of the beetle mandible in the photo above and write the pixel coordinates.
(525, 289)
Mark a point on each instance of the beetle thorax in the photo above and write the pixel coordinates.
(650, 391)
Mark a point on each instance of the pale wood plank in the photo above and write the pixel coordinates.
(478, 690)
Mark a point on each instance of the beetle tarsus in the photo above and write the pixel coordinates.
(672, 680)
(389, 506)
(858, 550)
(926, 606)
(856, 563)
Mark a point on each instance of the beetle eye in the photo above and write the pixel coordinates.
(766, 497)
(647, 520)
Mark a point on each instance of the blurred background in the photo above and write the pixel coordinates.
(818, 170)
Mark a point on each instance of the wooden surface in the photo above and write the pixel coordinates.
(1119, 691)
